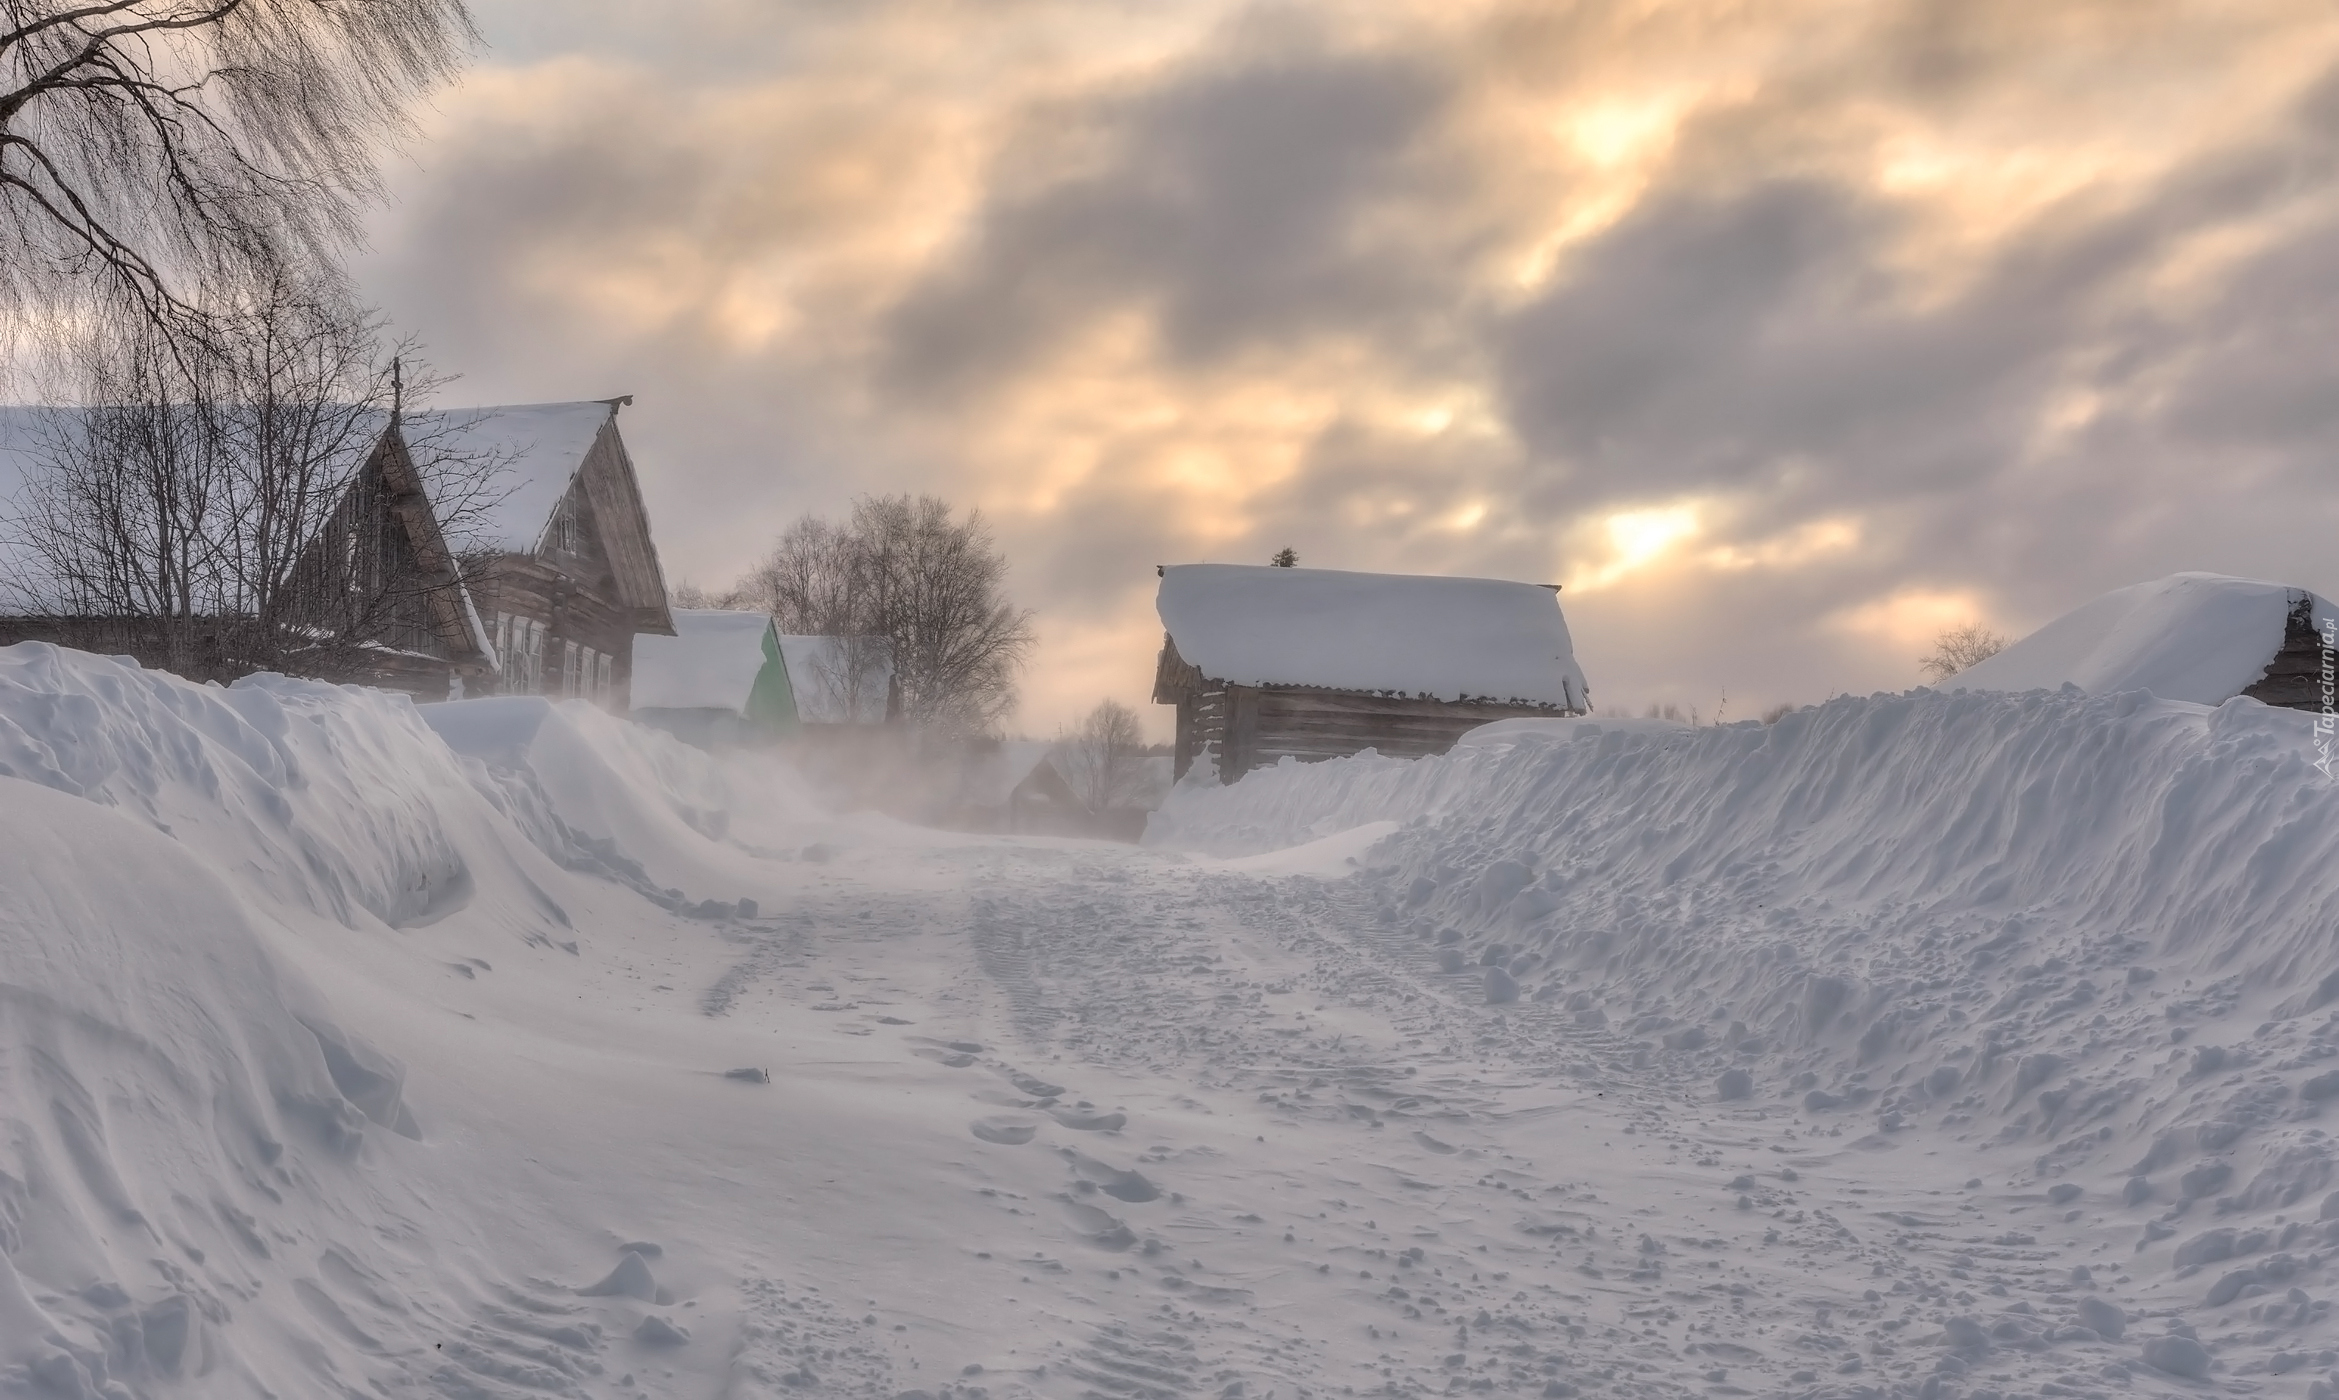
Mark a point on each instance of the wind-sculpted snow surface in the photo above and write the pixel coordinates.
(176, 1106)
(1927, 1047)
(331, 798)
(2100, 931)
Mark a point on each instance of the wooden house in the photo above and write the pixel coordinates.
(1269, 663)
(1015, 785)
(376, 596)
(562, 567)
(535, 582)
(717, 680)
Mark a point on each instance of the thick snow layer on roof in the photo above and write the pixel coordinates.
(839, 680)
(1451, 638)
(2202, 638)
(537, 449)
(710, 663)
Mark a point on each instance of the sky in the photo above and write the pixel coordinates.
(1783, 335)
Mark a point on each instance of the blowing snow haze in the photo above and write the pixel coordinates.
(621, 959)
(1785, 336)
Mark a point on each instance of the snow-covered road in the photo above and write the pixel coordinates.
(1647, 1063)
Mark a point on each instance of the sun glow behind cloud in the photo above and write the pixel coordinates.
(1849, 301)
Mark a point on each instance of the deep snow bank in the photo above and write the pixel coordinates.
(2103, 929)
(2197, 637)
(329, 799)
(195, 1153)
(176, 1105)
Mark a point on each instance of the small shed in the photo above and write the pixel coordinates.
(719, 679)
(1270, 663)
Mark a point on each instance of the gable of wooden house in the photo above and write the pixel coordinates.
(565, 571)
(380, 551)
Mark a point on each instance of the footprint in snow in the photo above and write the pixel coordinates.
(1086, 1121)
(1100, 1227)
(1008, 1132)
(1114, 1182)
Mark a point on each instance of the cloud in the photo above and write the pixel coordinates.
(1766, 328)
(1248, 200)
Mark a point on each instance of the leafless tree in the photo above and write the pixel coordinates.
(117, 520)
(904, 569)
(1959, 647)
(222, 506)
(151, 148)
(1103, 756)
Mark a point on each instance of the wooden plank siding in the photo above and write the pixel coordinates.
(1246, 727)
(594, 582)
(2294, 679)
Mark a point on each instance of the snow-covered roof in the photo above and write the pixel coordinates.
(536, 448)
(30, 435)
(2202, 638)
(839, 680)
(1402, 634)
(539, 448)
(710, 663)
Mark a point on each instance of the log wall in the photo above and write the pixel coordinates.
(2294, 679)
(1249, 727)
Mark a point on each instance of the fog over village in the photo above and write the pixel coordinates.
(1270, 701)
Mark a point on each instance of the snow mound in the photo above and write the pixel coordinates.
(629, 802)
(205, 1180)
(2004, 914)
(333, 799)
(174, 1096)
(2198, 637)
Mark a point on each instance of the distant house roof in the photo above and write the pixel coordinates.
(2202, 638)
(1388, 634)
(711, 662)
(839, 680)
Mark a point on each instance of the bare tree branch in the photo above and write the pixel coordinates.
(904, 569)
(151, 148)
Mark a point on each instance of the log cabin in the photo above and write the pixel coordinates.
(1267, 663)
(375, 595)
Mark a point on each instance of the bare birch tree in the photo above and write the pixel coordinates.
(904, 569)
(1103, 756)
(220, 509)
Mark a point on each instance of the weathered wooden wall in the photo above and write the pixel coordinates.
(2294, 680)
(1250, 727)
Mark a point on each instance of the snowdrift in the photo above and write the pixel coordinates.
(2003, 916)
(188, 1132)
(2198, 637)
